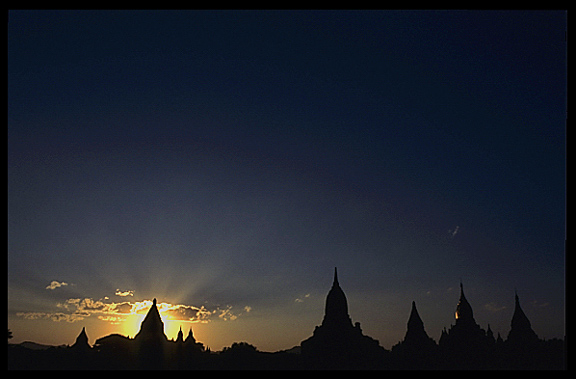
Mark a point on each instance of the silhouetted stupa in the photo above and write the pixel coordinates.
(416, 337)
(81, 343)
(521, 332)
(190, 338)
(336, 310)
(417, 350)
(337, 343)
(152, 328)
(465, 344)
(522, 347)
(180, 337)
(151, 340)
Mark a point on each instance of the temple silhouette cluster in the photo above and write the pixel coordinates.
(335, 344)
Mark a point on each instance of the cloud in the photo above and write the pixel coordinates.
(56, 316)
(454, 231)
(124, 308)
(301, 300)
(114, 320)
(54, 284)
(537, 304)
(186, 312)
(226, 314)
(76, 309)
(493, 307)
(124, 293)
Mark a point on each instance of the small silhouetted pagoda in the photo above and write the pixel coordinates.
(417, 350)
(336, 343)
(180, 337)
(465, 344)
(81, 343)
(521, 333)
(190, 343)
(523, 347)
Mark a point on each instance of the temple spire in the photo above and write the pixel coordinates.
(81, 341)
(521, 334)
(463, 309)
(336, 311)
(414, 321)
(152, 326)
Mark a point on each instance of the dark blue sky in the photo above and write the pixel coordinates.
(243, 154)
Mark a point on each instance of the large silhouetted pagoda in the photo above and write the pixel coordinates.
(336, 343)
(152, 328)
(151, 341)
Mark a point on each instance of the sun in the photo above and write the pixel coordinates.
(172, 316)
(131, 326)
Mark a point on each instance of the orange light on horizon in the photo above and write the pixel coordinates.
(173, 316)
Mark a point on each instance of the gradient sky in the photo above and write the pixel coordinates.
(225, 162)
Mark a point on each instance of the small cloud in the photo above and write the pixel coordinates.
(114, 320)
(454, 231)
(299, 300)
(493, 307)
(124, 293)
(186, 312)
(54, 284)
(226, 314)
(537, 304)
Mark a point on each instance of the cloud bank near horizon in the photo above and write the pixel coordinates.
(77, 309)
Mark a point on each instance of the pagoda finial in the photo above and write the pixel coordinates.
(154, 302)
(336, 276)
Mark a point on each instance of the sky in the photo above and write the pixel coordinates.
(224, 162)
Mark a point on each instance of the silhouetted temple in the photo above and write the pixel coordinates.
(336, 343)
(417, 350)
(522, 347)
(150, 348)
(465, 344)
(81, 343)
(521, 333)
(151, 340)
(152, 328)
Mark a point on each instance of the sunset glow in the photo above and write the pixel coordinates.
(224, 162)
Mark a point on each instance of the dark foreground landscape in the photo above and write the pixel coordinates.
(335, 344)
